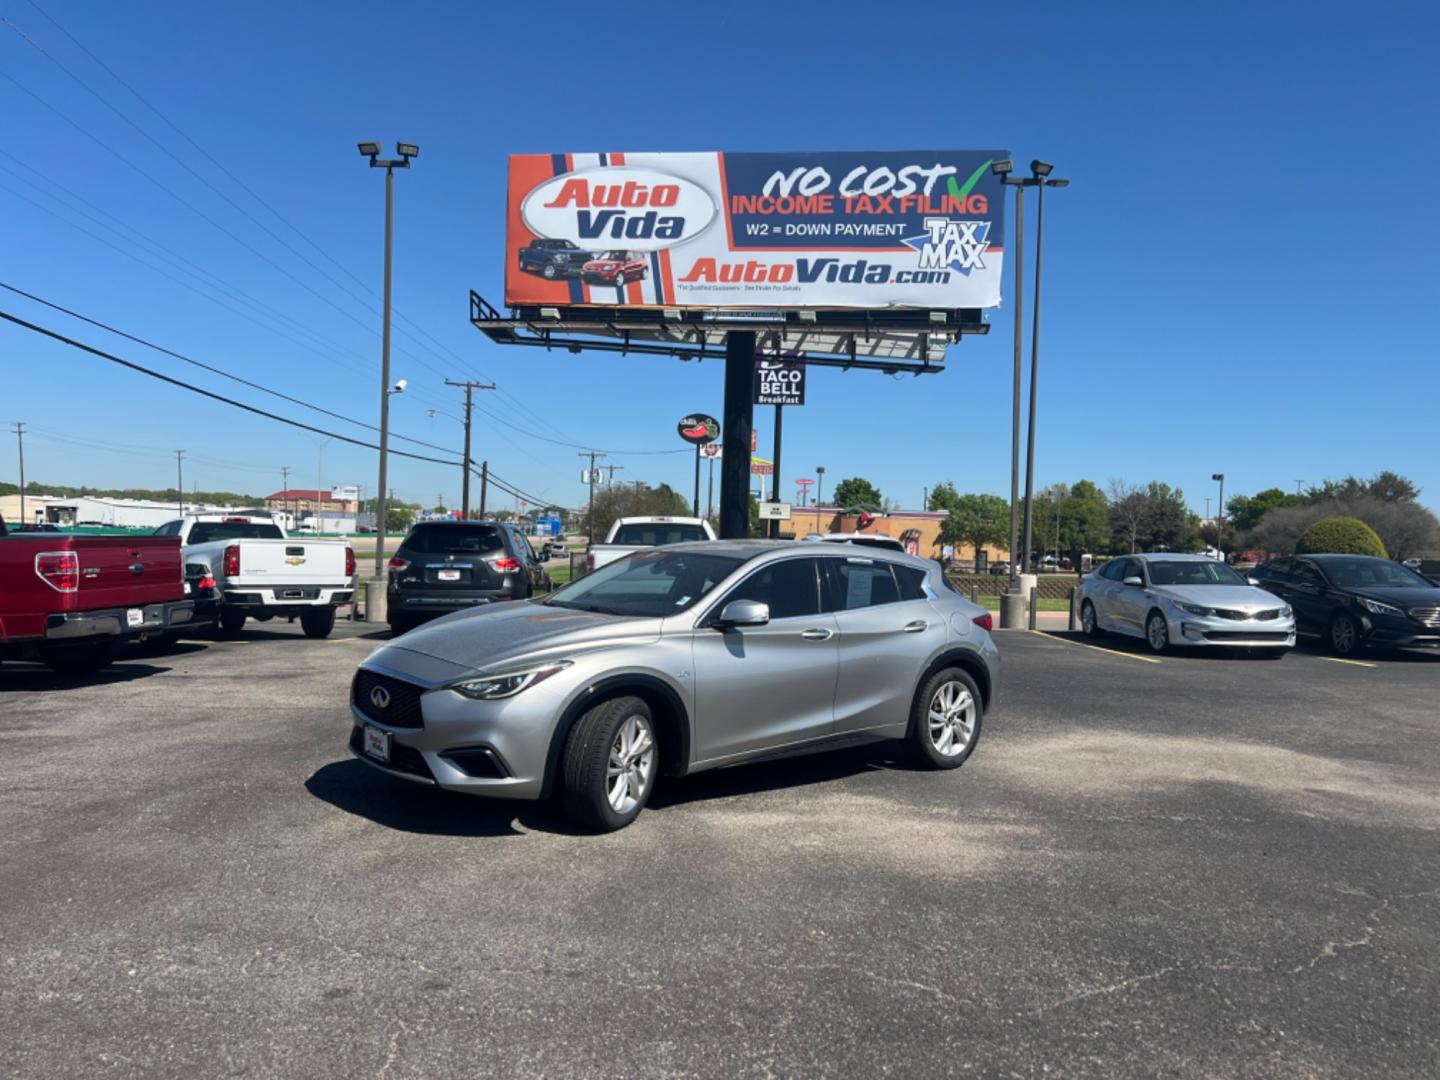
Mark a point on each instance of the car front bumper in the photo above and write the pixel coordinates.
(1198, 631)
(497, 748)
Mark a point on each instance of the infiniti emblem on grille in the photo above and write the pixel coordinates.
(380, 697)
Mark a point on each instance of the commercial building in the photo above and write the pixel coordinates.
(339, 502)
(117, 513)
(34, 508)
(918, 530)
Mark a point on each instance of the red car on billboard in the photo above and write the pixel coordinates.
(614, 268)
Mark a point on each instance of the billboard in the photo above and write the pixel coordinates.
(847, 229)
(779, 382)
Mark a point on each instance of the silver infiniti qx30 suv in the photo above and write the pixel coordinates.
(679, 659)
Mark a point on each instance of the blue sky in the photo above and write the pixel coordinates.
(1229, 287)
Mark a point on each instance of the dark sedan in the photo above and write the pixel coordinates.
(1352, 602)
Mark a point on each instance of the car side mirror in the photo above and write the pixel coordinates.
(1255, 581)
(744, 613)
(1133, 581)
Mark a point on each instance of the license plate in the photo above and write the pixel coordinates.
(449, 575)
(377, 744)
(134, 616)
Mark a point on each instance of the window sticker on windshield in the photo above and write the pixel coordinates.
(682, 601)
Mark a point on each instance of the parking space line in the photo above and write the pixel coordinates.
(1341, 660)
(1097, 648)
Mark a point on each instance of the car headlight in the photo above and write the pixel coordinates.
(1195, 609)
(1377, 608)
(510, 683)
(1286, 611)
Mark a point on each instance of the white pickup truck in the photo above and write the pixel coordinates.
(636, 533)
(260, 572)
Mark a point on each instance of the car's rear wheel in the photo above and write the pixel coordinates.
(619, 281)
(1157, 632)
(83, 659)
(1344, 636)
(229, 622)
(318, 622)
(609, 766)
(1089, 621)
(945, 723)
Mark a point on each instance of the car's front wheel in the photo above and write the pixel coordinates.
(609, 765)
(1157, 632)
(1345, 637)
(550, 271)
(620, 281)
(945, 724)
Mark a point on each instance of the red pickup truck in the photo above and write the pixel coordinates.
(66, 599)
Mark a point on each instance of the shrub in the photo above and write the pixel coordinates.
(1340, 536)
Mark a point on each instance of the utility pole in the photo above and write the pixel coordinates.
(20, 437)
(470, 388)
(590, 477)
(610, 469)
(285, 488)
(180, 480)
(484, 484)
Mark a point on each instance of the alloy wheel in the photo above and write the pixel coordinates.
(1087, 619)
(631, 763)
(1157, 633)
(1342, 635)
(952, 718)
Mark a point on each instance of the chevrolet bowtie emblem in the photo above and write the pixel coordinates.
(295, 560)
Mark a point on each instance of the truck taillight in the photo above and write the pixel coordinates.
(232, 561)
(505, 564)
(59, 569)
(349, 561)
(398, 563)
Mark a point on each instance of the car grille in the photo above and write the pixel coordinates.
(1426, 616)
(403, 758)
(1246, 635)
(1242, 616)
(403, 710)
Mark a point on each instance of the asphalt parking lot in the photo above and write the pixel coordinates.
(1197, 867)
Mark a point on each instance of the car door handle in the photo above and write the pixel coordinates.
(917, 627)
(817, 634)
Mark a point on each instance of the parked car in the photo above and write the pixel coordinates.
(66, 599)
(1353, 602)
(889, 543)
(445, 566)
(553, 258)
(556, 548)
(1171, 599)
(679, 659)
(614, 268)
(261, 573)
(999, 569)
(634, 533)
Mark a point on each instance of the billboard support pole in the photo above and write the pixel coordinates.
(697, 480)
(710, 492)
(736, 428)
(775, 479)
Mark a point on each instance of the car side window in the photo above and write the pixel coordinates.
(910, 581)
(862, 583)
(790, 586)
(1306, 574)
(1111, 570)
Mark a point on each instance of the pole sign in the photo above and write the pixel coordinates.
(779, 382)
(758, 232)
(713, 450)
(774, 511)
(759, 466)
(699, 429)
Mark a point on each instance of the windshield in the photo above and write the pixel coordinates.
(655, 533)
(453, 540)
(204, 532)
(1198, 572)
(615, 256)
(1372, 574)
(647, 584)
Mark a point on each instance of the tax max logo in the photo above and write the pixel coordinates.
(952, 245)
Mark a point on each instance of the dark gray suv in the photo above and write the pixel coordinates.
(444, 566)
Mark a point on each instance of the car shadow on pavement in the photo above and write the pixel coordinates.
(355, 788)
(1123, 643)
(25, 677)
(776, 775)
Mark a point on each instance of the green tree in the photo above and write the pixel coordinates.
(1245, 511)
(1168, 524)
(398, 518)
(1085, 519)
(631, 500)
(857, 491)
(981, 521)
(943, 496)
(1340, 535)
(1386, 486)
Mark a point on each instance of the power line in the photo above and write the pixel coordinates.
(207, 393)
(576, 446)
(207, 367)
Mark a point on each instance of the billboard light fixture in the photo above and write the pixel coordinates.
(549, 313)
(1002, 167)
(806, 316)
(407, 149)
(1041, 168)
(672, 313)
(938, 316)
(370, 149)
(1057, 183)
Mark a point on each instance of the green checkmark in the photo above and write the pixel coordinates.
(960, 192)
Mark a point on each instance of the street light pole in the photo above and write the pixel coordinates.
(1220, 515)
(1003, 169)
(375, 591)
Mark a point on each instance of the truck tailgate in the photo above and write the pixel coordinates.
(125, 571)
(290, 562)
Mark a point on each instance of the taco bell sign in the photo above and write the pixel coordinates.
(779, 382)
